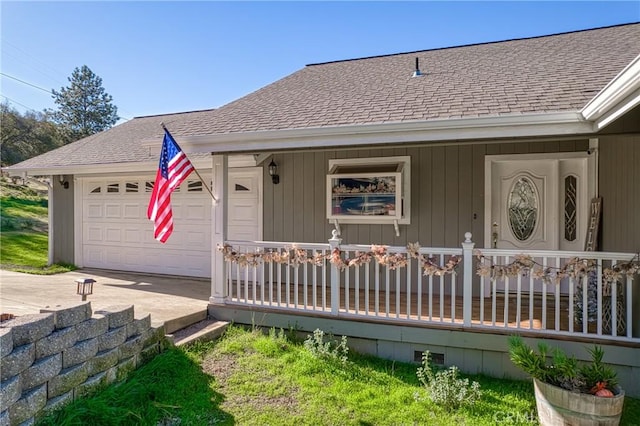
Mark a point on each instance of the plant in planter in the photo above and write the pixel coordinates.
(568, 392)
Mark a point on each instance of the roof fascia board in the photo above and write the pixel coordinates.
(616, 95)
(565, 123)
(100, 168)
(128, 168)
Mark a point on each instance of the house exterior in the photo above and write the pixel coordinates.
(483, 152)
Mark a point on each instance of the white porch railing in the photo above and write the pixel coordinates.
(544, 292)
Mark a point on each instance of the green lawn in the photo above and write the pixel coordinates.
(250, 378)
(24, 231)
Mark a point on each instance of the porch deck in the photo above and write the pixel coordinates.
(401, 306)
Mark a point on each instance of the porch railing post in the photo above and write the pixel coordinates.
(219, 289)
(467, 278)
(334, 243)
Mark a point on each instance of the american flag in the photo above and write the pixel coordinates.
(174, 168)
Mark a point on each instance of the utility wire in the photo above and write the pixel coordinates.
(17, 103)
(26, 82)
(34, 59)
(37, 87)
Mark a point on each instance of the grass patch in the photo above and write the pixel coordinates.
(251, 378)
(169, 390)
(24, 243)
(28, 252)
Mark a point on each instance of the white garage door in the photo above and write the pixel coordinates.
(116, 233)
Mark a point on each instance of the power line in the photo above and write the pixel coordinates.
(37, 87)
(34, 59)
(17, 103)
(26, 82)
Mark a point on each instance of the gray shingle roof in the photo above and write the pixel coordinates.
(544, 74)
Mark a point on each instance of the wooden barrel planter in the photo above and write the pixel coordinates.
(557, 406)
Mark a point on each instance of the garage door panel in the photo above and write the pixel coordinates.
(93, 210)
(133, 236)
(93, 234)
(113, 235)
(93, 255)
(112, 211)
(132, 211)
(113, 255)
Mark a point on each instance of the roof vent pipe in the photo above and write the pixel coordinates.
(417, 72)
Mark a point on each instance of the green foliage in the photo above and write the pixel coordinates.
(23, 214)
(445, 388)
(330, 349)
(563, 370)
(170, 389)
(264, 382)
(28, 252)
(24, 243)
(596, 371)
(23, 136)
(84, 107)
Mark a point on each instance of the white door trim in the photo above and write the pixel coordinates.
(489, 160)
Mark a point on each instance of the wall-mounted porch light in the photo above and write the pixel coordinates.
(63, 181)
(273, 172)
(84, 287)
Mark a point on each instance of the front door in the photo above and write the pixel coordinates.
(537, 202)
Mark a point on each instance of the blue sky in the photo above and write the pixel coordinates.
(162, 57)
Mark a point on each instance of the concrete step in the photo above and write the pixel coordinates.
(208, 329)
(175, 324)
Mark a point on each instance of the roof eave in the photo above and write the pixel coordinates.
(477, 128)
(619, 96)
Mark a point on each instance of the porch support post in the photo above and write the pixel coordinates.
(467, 294)
(219, 233)
(334, 242)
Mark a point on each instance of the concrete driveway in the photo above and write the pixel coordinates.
(166, 298)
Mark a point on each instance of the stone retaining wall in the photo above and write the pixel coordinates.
(52, 358)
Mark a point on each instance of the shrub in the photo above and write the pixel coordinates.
(330, 349)
(444, 387)
(563, 371)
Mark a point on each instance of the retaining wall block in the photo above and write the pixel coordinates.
(41, 371)
(28, 422)
(112, 375)
(68, 316)
(26, 407)
(153, 335)
(118, 315)
(79, 353)
(29, 328)
(56, 342)
(112, 338)
(90, 386)
(4, 418)
(67, 380)
(150, 352)
(17, 361)
(103, 361)
(10, 392)
(6, 341)
(131, 347)
(58, 402)
(92, 327)
(126, 367)
(139, 325)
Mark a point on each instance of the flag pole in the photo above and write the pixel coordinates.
(194, 169)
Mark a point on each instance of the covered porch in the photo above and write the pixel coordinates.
(538, 293)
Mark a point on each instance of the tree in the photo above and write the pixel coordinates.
(25, 136)
(84, 108)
